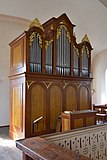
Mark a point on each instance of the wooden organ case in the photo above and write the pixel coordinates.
(49, 73)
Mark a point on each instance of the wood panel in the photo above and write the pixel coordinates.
(18, 56)
(84, 98)
(90, 121)
(17, 102)
(17, 107)
(38, 107)
(78, 123)
(66, 123)
(71, 98)
(55, 105)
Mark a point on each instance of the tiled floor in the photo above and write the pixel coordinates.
(8, 149)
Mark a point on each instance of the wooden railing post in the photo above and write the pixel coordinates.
(25, 157)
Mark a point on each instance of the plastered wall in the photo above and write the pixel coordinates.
(10, 28)
(99, 66)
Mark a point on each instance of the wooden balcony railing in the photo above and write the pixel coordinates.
(78, 144)
(37, 148)
(89, 141)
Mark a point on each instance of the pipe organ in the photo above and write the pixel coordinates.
(49, 73)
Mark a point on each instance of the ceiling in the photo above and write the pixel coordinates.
(89, 16)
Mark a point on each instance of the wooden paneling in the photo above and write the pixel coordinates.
(78, 123)
(84, 97)
(90, 121)
(18, 56)
(17, 99)
(55, 105)
(17, 107)
(66, 124)
(71, 98)
(38, 107)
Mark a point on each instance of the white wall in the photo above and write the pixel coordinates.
(10, 28)
(99, 67)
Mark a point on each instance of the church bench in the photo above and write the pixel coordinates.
(101, 114)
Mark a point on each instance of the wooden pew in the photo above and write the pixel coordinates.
(101, 114)
(37, 148)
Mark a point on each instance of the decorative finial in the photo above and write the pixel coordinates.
(36, 23)
(85, 38)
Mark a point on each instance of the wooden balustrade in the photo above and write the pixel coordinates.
(89, 141)
(37, 148)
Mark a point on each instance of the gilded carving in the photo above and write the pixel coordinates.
(77, 50)
(86, 49)
(47, 84)
(86, 39)
(40, 39)
(36, 23)
(47, 43)
(29, 83)
(64, 85)
(67, 32)
(32, 36)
